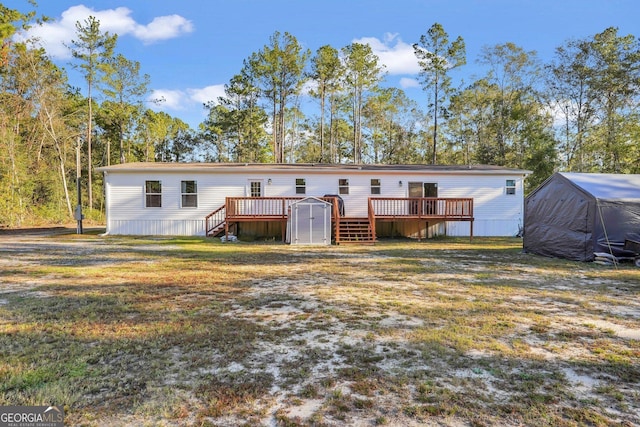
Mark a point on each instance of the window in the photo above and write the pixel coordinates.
(153, 194)
(511, 186)
(375, 186)
(255, 188)
(189, 194)
(430, 189)
(343, 186)
(301, 186)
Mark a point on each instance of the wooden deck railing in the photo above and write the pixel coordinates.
(372, 218)
(265, 208)
(246, 209)
(392, 208)
(215, 220)
(335, 215)
(250, 208)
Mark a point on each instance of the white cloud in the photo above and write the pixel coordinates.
(183, 100)
(396, 55)
(163, 28)
(558, 110)
(170, 99)
(309, 86)
(406, 83)
(206, 94)
(55, 34)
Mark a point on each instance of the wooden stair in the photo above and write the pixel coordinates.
(355, 230)
(215, 222)
(216, 231)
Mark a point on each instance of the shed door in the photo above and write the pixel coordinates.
(310, 224)
(317, 224)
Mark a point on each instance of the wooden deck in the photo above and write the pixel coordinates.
(417, 209)
(255, 209)
(421, 209)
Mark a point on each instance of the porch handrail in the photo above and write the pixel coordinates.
(422, 207)
(335, 215)
(273, 207)
(215, 219)
(255, 207)
(372, 218)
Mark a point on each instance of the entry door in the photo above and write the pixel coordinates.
(415, 190)
(430, 190)
(254, 190)
(423, 189)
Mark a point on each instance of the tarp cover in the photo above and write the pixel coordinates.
(574, 215)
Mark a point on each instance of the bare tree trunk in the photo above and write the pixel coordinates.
(322, 96)
(51, 131)
(435, 123)
(89, 169)
(332, 132)
(274, 131)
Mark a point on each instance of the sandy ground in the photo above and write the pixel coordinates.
(570, 306)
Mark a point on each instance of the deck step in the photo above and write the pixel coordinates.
(355, 230)
(216, 231)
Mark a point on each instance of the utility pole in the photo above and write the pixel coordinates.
(78, 213)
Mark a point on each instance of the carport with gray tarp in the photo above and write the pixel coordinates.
(575, 215)
(309, 222)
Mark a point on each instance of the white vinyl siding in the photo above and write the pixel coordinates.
(495, 212)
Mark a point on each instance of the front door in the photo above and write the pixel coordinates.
(255, 188)
(415, 190)
(423, 189)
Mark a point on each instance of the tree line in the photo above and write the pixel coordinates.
(578, 112)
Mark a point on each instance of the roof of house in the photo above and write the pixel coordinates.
(297, 167)
(607, 186)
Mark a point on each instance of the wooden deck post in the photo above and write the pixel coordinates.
(283, 223)
(226, 220)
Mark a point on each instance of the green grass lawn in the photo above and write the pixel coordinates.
(190, 331)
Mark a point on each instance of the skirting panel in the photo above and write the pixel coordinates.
(156, 227)
(485, 227)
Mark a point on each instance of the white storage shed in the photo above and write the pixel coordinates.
(309, 222)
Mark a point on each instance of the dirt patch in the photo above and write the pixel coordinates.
(191, 331)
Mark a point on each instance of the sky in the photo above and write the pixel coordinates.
(192, 48)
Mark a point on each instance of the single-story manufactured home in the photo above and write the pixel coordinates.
(369, 201)
(576, 215)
